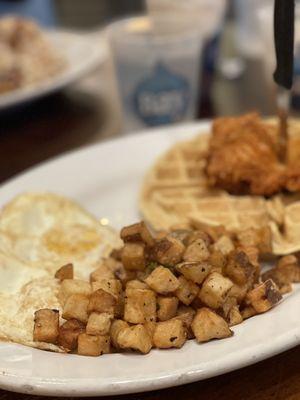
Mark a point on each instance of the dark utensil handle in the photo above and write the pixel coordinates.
(284, 12)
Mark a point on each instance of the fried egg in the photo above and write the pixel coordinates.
(45, 231)
(40, 232)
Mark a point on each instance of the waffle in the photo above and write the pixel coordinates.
(176, 192)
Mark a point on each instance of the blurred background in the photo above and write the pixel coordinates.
(163, 61)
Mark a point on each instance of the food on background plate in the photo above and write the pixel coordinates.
(39, 234)
(158, 291)
(178, 192)
(27, 56)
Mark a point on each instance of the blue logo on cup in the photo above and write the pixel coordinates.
(162, 97)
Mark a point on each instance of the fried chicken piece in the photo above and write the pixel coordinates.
(243, 158)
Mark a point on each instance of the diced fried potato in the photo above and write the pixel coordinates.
(239, 292)
(234, 316)
(136, 284)
(280, 278)
(208, 325)
(260, 238)
(217, 260)
(186, 315)
(116, 254)
(186, 291)
(68, 334)
(65, 272)
(228, 304)
(214, 290)
(150, 327)
(117, 326)
(248, 312)
(215, 232)
(140, 306)
(90, 345)
(181, 234)
(196, 251)
(167, 307)
(99, 324)
(239, 268)
(102, 272)
(75, 307)
(224, 244)
(200, 235)
(137, 233)
(124, 275)
(289, 268)
(133, 256)
(169, 334)
(194, 271)
(135, 337)
(264, 296)
(113, 286)
(162, 281)
(253, 255)
(73, 286)
(46, 325)
(102, 301)
(168, 251)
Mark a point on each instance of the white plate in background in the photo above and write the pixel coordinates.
(83, 53)
(106, 178)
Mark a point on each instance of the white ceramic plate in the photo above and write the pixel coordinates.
(83, 52)
(106, 178)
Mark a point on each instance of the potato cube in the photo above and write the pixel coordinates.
(46, 324)
(186, 315)
(194, 271)
(234, 316)
(102, 301)
(168, 251)
(167, 307)
(239, 292)
(69, 332)
(239, 268)
(89, 345)
(99, 324)
(171, 333)
(65, 272)
(73, 286)
(248, 312)
(224, 244)
(135, 337)
(162, 280)
(133, 256)
(260, 238)
(76, 307)
(264, 296)
(117, 326)
(181, 234)
(150, 327)
(217, 260)
(208, 240)
(196, 251)
(140, 306)
(208, 325)
(214, 290)
(289, 268)
(102, 272)
(113, 286)
(187, 290)
(136, 284)
(281, 279)
(137, 233)
(124, 275)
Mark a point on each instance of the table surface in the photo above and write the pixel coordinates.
(88, 112)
